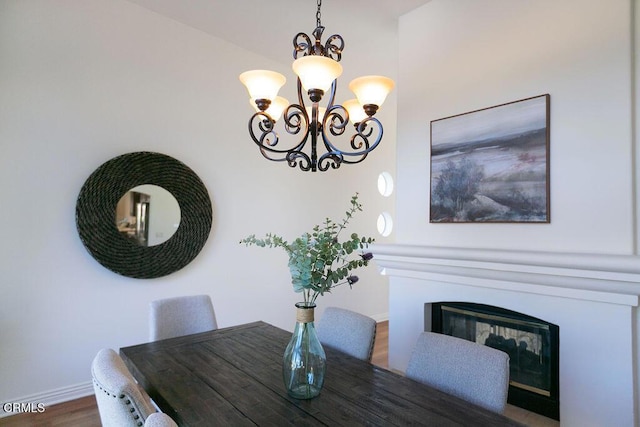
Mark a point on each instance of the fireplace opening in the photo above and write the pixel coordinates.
(532, 345)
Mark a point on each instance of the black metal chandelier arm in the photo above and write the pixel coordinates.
(298, 158)
(336, 120)
(360, 142)
(269, 156)
(353, 162)
(333, 47)
(302, 44)
(330, 159)
(294, 119)
(334, 156)
(262, 122)
(331, 96)
(267, 138)
(363, 134)
(367, 131)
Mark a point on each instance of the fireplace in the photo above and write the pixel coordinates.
(593, 298)
(532, 345)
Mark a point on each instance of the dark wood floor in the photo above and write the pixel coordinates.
(80, 412)
(380, 355)
(84, 412)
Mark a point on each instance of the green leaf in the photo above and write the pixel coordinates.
(318, 261)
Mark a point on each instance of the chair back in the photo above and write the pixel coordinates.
(121, 401)
(184, 315)
(350, 332)
(471, 371)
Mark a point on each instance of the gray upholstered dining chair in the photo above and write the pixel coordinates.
(471, 371)
(177, 316)
(159, 419)
(121, 401)
(350, 332)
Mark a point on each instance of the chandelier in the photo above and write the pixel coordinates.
(316, 127)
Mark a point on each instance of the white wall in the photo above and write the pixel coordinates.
(465, 55)
(83, 81)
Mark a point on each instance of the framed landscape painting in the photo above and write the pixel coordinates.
(492, 165)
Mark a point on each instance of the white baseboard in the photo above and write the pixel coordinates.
(383, 317)
(51, 397)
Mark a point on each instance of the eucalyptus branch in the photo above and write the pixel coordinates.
(318, 261)
(355, 206)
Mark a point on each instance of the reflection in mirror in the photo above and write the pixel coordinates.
(148, 215)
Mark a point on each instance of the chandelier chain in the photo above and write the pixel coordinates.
(319, 14)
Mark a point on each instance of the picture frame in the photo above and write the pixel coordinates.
(492, 165)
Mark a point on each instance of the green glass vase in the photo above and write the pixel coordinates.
(304, 360)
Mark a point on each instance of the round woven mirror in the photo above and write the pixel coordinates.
(99, 197)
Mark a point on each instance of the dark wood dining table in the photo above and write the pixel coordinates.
(233, 376)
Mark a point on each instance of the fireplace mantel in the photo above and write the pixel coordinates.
(613, 279)
(593, 298)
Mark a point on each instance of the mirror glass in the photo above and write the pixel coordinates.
(147, 215)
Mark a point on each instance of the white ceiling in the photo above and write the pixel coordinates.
(262, 25)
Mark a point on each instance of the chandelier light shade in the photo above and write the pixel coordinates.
(371, 90)
(262, 84)
(316, 122)
(316, 72)
(275, 109)
(355, 110)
